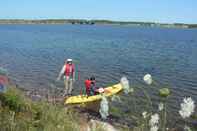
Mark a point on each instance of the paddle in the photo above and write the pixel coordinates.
(78, 74)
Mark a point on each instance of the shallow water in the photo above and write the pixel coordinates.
(34, 55)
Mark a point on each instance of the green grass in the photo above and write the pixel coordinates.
(18, 113)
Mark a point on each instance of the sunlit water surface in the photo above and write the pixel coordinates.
(34, 55)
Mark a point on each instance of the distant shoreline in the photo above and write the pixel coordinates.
(93, 22)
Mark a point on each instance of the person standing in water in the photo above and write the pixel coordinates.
(68, 73)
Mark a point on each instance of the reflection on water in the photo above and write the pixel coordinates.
(34, 54)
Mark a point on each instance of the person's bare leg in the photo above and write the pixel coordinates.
(70, 85)
(66, 86)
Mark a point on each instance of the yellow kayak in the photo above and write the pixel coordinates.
(108, 91)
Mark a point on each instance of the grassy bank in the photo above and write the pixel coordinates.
(18, 113)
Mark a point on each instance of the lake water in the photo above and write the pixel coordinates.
(34, 55)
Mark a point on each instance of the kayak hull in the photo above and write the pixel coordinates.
(108, 91)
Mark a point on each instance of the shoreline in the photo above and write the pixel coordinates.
(95, 22)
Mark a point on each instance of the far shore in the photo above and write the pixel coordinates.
(97, 22)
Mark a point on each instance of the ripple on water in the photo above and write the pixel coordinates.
(34, 55)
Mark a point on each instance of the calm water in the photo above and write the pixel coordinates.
(34, 54)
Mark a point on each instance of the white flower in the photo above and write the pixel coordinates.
(125, 84)
(154, 120)
(144, 114)
(187, 128)
(160, 106)
(148, 79)
(154, 128)
(187, 107)
(104, 108)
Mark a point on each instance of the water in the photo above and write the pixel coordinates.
(34, 55)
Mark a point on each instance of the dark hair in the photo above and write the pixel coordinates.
(92, 78)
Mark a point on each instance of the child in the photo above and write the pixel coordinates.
(90, 86)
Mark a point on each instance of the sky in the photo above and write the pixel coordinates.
(164, 11)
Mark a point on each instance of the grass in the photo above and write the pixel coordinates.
(148, 115)
(18, 113)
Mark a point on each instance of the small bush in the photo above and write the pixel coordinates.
(14, 99)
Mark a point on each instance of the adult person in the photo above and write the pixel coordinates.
(68, 73)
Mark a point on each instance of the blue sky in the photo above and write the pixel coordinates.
(184, 11)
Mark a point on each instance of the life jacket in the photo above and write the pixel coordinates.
(89, 84)
(69, 70)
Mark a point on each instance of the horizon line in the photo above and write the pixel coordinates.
(97, 19)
